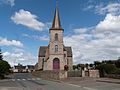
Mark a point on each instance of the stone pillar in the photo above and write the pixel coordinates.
(83, 73)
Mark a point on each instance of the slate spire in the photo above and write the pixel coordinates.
(56, 21)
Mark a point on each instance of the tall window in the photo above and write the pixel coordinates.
(56, 48)
(42, 63)
(56, 37)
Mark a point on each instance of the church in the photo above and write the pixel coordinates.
(56, 55)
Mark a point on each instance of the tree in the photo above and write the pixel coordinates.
(117, 63)
(106, 69)
(91, 65)
(1, 56)
(74, 67)
(96, 63)
(4, 66)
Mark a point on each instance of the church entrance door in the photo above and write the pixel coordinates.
(56, 64)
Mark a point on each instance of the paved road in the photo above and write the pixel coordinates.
(25, 81)
(95, 83)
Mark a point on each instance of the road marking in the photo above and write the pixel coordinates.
(74, 85)
(13, 79)
(18, 79)
(28, 79)
(23, 79)
(33, 78)
(89, 88)
(38, 78)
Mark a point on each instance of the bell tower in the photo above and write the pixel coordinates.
(56, 35)
(56, 46)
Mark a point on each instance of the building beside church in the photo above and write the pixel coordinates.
(55, 56)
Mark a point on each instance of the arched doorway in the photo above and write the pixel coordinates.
(56, 64)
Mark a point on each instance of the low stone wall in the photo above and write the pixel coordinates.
(75, 73)
(94, 73)
(48, 74)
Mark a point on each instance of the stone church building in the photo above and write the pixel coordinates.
(55, 56)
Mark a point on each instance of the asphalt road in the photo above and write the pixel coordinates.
(25, 81)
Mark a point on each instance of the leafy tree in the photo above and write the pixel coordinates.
(117, 63)
(4, 66)
(91, 65)
(74, 67)
(106, 69)
(117, 71)
(1, 56)
(97, 63)
(87, 65)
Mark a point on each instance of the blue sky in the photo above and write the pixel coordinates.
(91, 27)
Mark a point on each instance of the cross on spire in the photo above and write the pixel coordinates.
(56, 3)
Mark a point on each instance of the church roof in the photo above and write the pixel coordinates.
(69, 51)
(56, 21)
(42, 51)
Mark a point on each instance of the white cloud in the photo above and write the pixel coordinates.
(11, 2)
(88, 7)
(28, 19)
(80, 30)
(111, 23)
(102, 9)
(6, 54)
(103, 43)
(36, 37)
(6, 42)
(19, 56)
(8, 2)
(113, 8)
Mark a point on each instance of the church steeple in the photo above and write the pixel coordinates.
(56, 21)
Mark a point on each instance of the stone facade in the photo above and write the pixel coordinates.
(55, 56)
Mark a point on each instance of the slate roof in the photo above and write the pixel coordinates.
(30, 66)
(20, 67)
(56, 22)
(69, 51)
(42, 51)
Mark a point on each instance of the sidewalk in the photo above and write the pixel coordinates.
(109, 80)
(10, 88)
(76, 80)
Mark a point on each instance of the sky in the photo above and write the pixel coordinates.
(91, 28)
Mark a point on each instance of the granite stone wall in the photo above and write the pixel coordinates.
(49, 74)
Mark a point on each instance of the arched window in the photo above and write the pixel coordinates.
(56, 37)
(56, 48)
